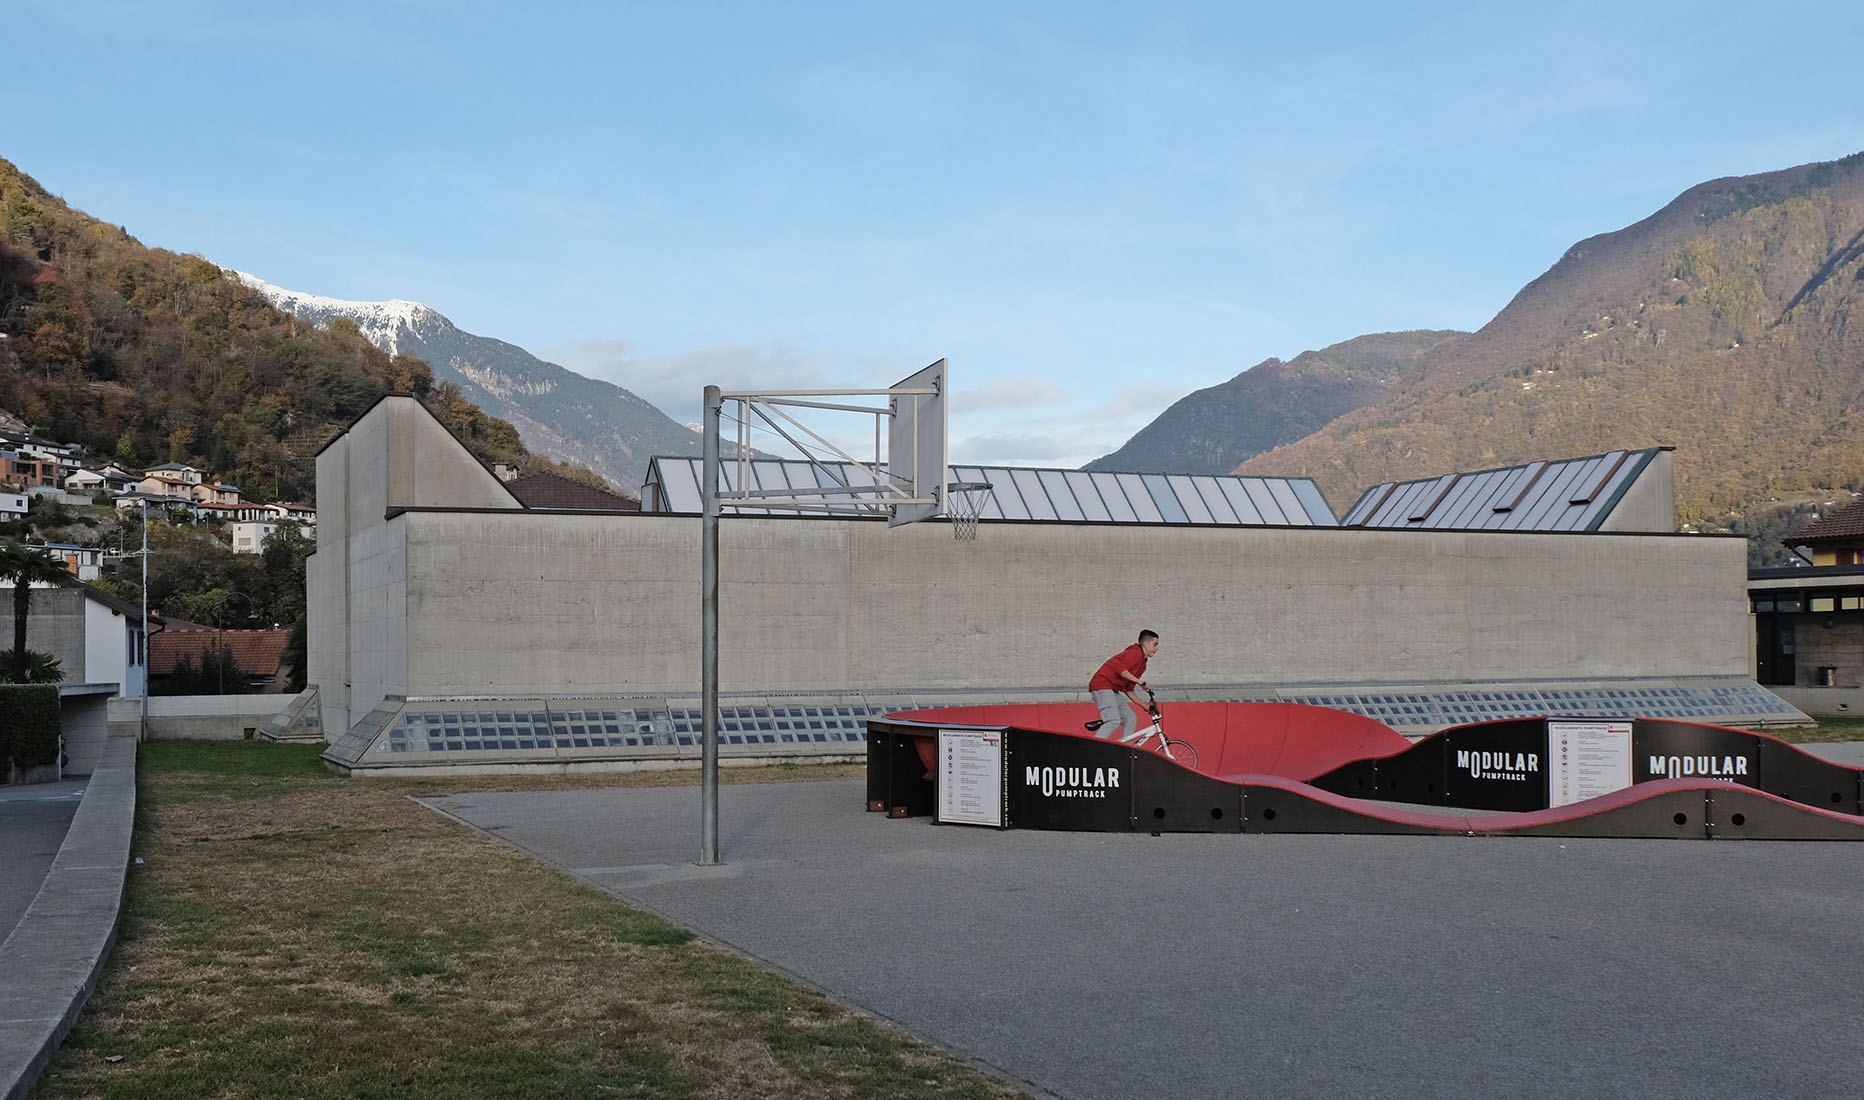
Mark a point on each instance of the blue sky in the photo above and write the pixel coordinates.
(1091, 209)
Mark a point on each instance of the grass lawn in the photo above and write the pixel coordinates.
(289, 933)
(1828, 730)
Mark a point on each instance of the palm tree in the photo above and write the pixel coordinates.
(24, 567)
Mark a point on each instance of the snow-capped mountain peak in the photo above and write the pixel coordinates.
(556, 411)
(384, 324)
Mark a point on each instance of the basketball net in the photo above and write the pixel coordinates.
(964, 502)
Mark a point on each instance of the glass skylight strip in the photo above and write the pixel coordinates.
(1319, 512)
(1214, 500)
(1060, 495)
(1034, 497)
(1292, 512)
(1166, 501)
(1114, 496)
(1186, 492)
(1144, 507)
(1245, 508)
(1265, 503)
(1087, 495)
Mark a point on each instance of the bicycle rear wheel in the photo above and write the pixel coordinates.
(1179, 752)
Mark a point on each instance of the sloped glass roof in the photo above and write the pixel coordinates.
(1575, 494)
(1027, 493)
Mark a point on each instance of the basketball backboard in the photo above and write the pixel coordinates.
(916, 443)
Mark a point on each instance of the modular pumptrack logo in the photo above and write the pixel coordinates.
(1725, 768)
(1512, 766)
(1072, 782)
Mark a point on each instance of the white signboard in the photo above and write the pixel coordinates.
(1588, 759)
(970, 777)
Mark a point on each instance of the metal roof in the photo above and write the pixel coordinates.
(1575, 494)
(1022, 493)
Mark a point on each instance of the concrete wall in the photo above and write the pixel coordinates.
(1840, 645)
(394, 456)
(212, 717)
(498, 601)
(562, 603)
(91, 641)
(1650, 503)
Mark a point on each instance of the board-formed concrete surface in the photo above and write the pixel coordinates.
(1098, 965)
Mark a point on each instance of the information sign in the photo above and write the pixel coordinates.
(970, 777)
(1588, 759)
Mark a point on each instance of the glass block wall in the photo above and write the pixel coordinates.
(597, 730)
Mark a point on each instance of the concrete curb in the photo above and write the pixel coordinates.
(51, 962)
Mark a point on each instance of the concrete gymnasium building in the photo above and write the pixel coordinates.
(451, 626)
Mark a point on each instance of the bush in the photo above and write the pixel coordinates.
(29, 724)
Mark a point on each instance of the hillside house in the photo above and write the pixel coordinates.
(177, 471)
(28, 472)
(249, 535)
(85, 562)
(207, 492)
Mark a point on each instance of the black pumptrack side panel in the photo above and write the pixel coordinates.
(1269, 809)
(1495, 765)
(1793, 773)
(1360, 779)
(1737, 813)
(1170, 798)
(1684, 750)
(1057, 781)
(1663, 815)
(897, 776)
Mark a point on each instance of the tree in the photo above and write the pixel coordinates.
(24, 567)
(37, 668)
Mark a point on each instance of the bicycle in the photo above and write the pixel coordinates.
(1178, 752)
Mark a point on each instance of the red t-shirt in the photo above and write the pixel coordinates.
(1132, 659)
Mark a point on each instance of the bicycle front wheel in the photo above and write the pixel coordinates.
(1180, 752)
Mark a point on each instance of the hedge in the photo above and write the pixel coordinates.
(29, 724)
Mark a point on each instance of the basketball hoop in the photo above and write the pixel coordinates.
(964, 502)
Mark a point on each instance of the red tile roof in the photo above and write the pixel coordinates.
(1844, 525)
(547, 490)
(257, 651)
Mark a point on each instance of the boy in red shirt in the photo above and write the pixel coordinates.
(1121, 673)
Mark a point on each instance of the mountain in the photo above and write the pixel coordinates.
(1213, 430)
(555, 410)
(1721, 324)
(144, 356)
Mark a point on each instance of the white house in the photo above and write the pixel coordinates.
(86, 481)
(13, 504)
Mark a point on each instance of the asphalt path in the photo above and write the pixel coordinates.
(33, 821)
(1098, 965)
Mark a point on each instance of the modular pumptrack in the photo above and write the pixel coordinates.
(1289, 768)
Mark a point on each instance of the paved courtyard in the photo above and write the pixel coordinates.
(33, 820)
(1126, 966)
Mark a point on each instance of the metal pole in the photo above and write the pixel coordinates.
(708, 635)
(142, 733)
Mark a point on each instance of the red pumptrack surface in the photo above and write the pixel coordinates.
(1273, 750)
(1232, 739)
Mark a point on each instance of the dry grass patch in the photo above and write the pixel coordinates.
(293, 934)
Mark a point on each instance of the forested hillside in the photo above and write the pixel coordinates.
(1722, 324)
(149, 357)
(1211, 430)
